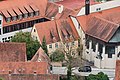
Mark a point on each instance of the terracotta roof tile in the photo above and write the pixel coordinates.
(29, 77)
(12, 52)
(101, 25)
(40, 56)
(67, 28)
(34, 7)
(5, 13)
(28, 8)
(44, 29)
(64, 25)
(74, 4)
(117, 70)
(24, 67)
(22, 9)
(17, 11)
(52, 11)
(20, 5)
(11, 12)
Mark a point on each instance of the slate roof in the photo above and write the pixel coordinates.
(13, 52)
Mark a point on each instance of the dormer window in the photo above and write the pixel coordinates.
(37, 13)
(35, 9)
(31, 14)
(14, 18)
(19, 17)
(8, 19)
(25, 15)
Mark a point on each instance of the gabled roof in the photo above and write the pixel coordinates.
(75, 5)
(52, 11)
(13, 52)
(45, 28)
(117, 70)
(46, 10)
(40, 56)
(24, 67)
(67, 30)
(22, 7)
(59, 28)
(100, 25)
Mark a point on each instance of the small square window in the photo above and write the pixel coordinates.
(73, 43)
(34, 30)
(56, 45)
(50, 46)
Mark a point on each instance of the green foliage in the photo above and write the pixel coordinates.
(57, 56)
(99, 76)
(31, 45)
(44, 46)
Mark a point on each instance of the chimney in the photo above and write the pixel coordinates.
(87, 7)
(60, 9)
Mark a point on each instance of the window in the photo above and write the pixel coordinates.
(110, 50)
(73, 43)
(78, 26)
(25, 15)
(7, 19)
(0, 22)
(94, 45)
(56, 45)
(31, 14)
(100, 48)
(0, 31)
(50, 46)
(109, 55)
(98, 9)
(36, 13)
(14, 18)
(34, 30)
(19, 16)
(87, 44)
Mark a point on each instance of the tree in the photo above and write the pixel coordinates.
(57, 56)
(44, 46)
(31, 45)
(70, 57)
(99, 76)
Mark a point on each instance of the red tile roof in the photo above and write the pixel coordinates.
(40, 56)
(55, 26)
(13, 52)
(24, 67)
(45, 28)
(46, 10)
(101, 25)
(117, 70)
(67, 28)
(29, 77)
(75, 4)
(52, 11)
(22, 6)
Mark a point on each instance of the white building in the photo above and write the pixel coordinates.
(100, 32)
